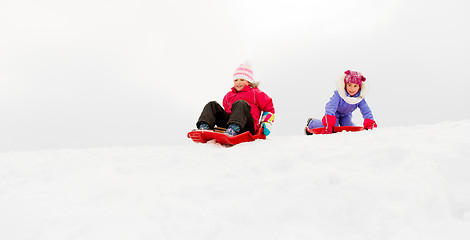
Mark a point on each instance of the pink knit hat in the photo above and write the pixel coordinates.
(244, 72)
(354, 77)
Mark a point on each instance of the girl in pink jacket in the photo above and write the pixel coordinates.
(242, 107)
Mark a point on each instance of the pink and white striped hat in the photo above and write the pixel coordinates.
(244, 71)
(354, 77)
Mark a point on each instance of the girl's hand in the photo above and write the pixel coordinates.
(329, 122)
(266, 128)
(267, 120)
(369, 124)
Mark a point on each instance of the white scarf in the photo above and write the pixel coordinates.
(340, 86)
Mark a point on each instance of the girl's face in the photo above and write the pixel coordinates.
(239, 84)
(352, 88)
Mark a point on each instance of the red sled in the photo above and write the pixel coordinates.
(203, 136)
(336, 129)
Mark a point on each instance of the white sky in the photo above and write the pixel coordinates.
(104, 73)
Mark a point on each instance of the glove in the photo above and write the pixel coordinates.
(267, 120)
(369, 124)
(329, 121)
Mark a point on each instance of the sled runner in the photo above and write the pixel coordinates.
(336, 129)
(203, 136)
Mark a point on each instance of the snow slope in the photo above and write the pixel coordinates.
(389, 183)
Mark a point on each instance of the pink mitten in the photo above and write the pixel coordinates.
(329, 122)
(369, 124)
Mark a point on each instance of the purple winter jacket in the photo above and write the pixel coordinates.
(342, 110)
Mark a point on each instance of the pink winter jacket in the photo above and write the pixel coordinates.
(258, 100)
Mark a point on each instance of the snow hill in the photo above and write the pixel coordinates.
(390, 183)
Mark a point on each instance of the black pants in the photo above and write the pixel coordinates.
(214, 115)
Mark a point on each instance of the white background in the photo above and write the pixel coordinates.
(104, 73)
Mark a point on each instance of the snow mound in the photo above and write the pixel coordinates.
(389, 183)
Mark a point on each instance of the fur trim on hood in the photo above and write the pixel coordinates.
(340, 86)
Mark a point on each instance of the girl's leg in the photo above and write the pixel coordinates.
(241, 115)
(214, 115)
(315, 123)
(346, 121)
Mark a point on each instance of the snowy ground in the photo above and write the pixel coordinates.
(390, 183)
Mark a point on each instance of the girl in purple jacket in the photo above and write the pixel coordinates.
(351, 88)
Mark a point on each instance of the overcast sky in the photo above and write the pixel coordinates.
(99, 73)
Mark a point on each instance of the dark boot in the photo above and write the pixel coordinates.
(307, 132)
(232, 130)
(203, 126)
